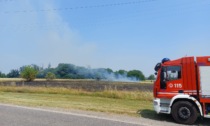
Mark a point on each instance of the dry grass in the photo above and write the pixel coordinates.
(11, 79)
(132, 95)
(112, 101)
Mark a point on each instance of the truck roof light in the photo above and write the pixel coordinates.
(165, 60)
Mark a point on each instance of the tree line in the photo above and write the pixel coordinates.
(70, 71)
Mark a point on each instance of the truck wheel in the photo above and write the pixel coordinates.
(184, 112)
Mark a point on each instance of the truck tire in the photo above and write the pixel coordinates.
(184, 112)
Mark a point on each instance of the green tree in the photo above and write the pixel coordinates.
(66, 70)
(50, 76)
(13, 74)
(36, 67)
(137, 74)
(43, 73)
(109, 70)
(29, 73)
(122, 72)
(2, 75)
(151, 77)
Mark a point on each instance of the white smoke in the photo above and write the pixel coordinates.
(32, 36)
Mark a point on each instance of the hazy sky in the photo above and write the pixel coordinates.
(116, 34)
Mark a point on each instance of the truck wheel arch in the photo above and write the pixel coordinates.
(183, 97)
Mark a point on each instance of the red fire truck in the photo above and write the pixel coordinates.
(182, 88)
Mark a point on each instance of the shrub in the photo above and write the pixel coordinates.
(29, 73)
(50, 76)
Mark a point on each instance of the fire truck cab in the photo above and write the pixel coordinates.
(182, 88)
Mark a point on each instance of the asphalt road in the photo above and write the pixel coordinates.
(24, 116)
(12, 115)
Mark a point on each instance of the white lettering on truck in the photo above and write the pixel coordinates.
(175, 85)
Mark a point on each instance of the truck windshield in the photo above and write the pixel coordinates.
(173, 72)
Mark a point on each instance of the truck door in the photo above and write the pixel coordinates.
(170, 81)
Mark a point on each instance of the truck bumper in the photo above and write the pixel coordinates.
(156, 104)
(162, 105)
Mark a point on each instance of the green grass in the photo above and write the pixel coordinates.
(111, 101)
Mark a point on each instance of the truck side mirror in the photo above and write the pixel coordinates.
(157, 67)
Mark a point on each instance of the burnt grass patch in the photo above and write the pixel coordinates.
(89, 85)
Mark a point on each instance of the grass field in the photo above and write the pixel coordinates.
(84, 84)
(111, 101)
